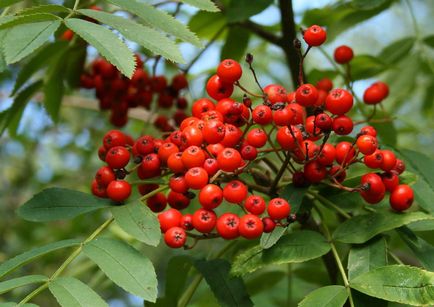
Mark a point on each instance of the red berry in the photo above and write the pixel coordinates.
(399, 167)
(255, 204)
(389, 160)
(342, 125)
(201, 106)
(251, 226)
(177, 200)
(196, 178)
(339, 101)
(114, 138)
(210, 196)
(157, 203)
(168, 219)
(367, 144)
(228, 226)
(144, 145)
(211, 166)
(117, 157)
(187, 222)
(178, 184)
(98, 190)
(390, 181)
(275, 93)
(229, 159)
(315, 35)
(314, 171)
(262, 115)
(175, 237)
(118, 190)
(375, 160)
(373, 189)
(401, 197)
(278, 209)
(166, 150)
(151, 163)
(288, 140)
(174, 162)
(306, 95)
(327, 155)
(376, 93)
(269, 224)
(204, 220)
(248, 152)
(229, 71)
(324, 84)
(324, 122)
(214, 131)
(232, 136)
(193, 156)
(235, 192)
(343, 54)
(104, 176)
(217, 89)
(369, 130)
(345, 152)
(179, 82)
(257, 137)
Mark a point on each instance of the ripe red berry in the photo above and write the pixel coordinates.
(399, 167)
(104, 176)
(269, 224)
(201, 106)
(204, 220)
(327, 154)
(217, 89)
(369, 130)
(118, 190)
(262, 115)
(401, 197)
(367, 144)
(324, 84)
(175, 237)
(214, 131)
(375, 160)
(98, 190)
(174, 162)
(196, 178)
(278, 209)
(339, 101)
(228, 226)
(373, 189)
(168, 219)
(229, 71)
(114, 138)
(144, 145)
(248, 152)
(343, 54)
(312, 129)
(324, 122)
(210, 196)
(166, 150)
(187, 222)
(151, 163)
(117, 157)
(232, 136)
(345, 152)
(257, 137)
(157, 203)
(192, 135)
(177, 201)
(342, 125)
(229, 159)
(389, 160)
(288, 140)
(275, 93)
(193, 156)
(315, 35)
(255, 204)
(314, 171)
(376, 93)
(390, 180)
(251, 226)
(306, 95)
(211, 166)
(235, 192)
(178, 184)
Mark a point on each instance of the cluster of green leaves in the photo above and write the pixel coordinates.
(29, 32)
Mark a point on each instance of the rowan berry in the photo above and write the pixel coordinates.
(255, 204)
(314, 35)
(204, 220)
(228, 226)
(175, 237)
(401, 197)
(118, 190)
(196, 178)
(217, 89)
(117, 157)
(278, 209)
(306, 95)
(210, 196)
(169, 218)
(235, 192)
(229, 159)
(251, 226)
(343, 54)
(229, 71)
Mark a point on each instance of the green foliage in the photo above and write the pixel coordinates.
(329, 296)
(295, 247)
(206, 5)
(236, 44)
(56, 204)
(398, 283)
(229, 291)
(361, 228)
(397, 50)
(11, 284)
(125, 266)
(242, 9)
(421, 248)
(366, 66)
(138, 220)
(70, 291)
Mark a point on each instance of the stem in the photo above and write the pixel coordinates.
(280, 174)
(154, 192)
(68, 260)
(328, 203)
(5, 11)
(74, 8)
(394, 257)
(413, 19)
(247, 91)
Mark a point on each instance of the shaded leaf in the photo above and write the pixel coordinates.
(206, 24)
(386, 131)
(229, 291)
(11, 284)
(295, 247)
(106, 42)
(45, 8)
(240, 10)
(206, 5)
(398, 283)
(363, 258)
(367, 4)
(269, 239)
(329, 296)
(125, 266)
(256, 285)
(361, 228)
(56, 204)
(10, 21)
(5, 3)
(145, 36)
(294, 196)
(70, 292)
(158, 19)
(24, 258)
(236, 44)
(397, 50)
(366, 66)
(429, 40)
(22, 40)
(139, 221)
(421, 248)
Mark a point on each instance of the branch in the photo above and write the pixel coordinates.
(260, 31)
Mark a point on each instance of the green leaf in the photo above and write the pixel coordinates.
(13, 114)
(45, 8)
(70, 292)
(256, 284)
(271, 238)
(421, 248)
(11, 284)
(386, 131)
(429, 40)
(149, 38)
(423, 166)
(57, 204)
(6, 3)
(139, 221)
(53, 85)
(45, 55)
(240, 10)
(236, 44)
(363, 258)
(366, 66)
(294, 196)
(428, 100)
(12, 21)
(398, 283)
(229, 291)
(24, 258)
(11, 304)
(106, 42)
(206, 24)
(397, 50)
(360, 229)
(74, 67)
(366, 4)
(315, 75)
(22, 40)
(125, 266)
(205, 5)
(295, 247)
(329, 296)
(159, 19)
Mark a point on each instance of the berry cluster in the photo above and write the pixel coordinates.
(224, 140)
(117, 93)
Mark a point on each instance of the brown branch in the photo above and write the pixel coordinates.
(260, 31)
